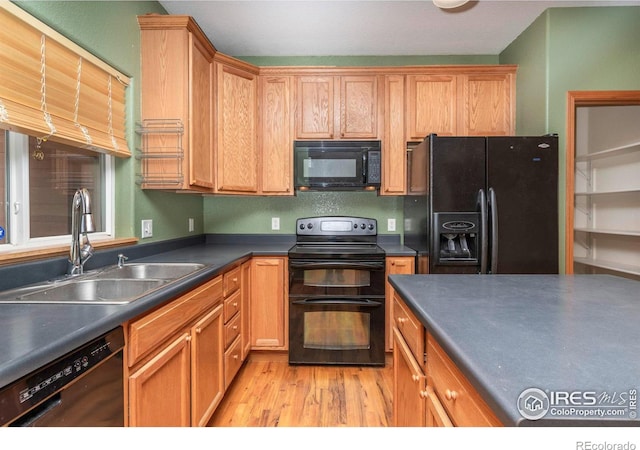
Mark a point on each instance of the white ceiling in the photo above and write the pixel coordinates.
(364, 27)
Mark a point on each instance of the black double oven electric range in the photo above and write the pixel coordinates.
(336, 292)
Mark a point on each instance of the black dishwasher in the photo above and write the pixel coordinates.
(83, 388)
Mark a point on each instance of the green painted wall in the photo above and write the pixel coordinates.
(109, 30)
(571, 49)
(229, 215)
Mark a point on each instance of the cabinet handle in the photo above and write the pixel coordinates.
(415, 378)
(401, 319)
(450, 395)
(235, 280)
(198, 330)
(236, 357)
(235, 304)
(424, 394)
(188, 338)
(235, 327)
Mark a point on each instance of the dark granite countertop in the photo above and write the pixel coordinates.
(558, 334)
(32, 335)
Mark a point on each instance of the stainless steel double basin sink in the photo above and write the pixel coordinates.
(112, 285)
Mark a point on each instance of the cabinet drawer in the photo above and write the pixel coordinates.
(231, 306)
(231, 281)
(410, 327)
(231, 330)
(149, 331)
(462, 403)
(232, 361)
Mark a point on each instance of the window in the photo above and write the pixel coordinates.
(37, 183)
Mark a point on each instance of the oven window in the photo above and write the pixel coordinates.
(337, 278)
(337, 330)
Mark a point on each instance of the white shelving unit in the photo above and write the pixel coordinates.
(607, 191)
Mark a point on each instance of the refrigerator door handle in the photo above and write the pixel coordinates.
(484, 231)
(493, 209)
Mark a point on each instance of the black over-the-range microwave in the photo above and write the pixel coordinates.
(337, 165)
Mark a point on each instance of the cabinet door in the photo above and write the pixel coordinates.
(431, 105)
(395, 265)
(408, 386)
(160, 391)
(207, 366)
(394, 177)
(436, 415)
(358, 107)
(276, 135)
(236, 144)
(268, 303)
(245, 289)
(486, 105)
(201, 113)
(315, 107)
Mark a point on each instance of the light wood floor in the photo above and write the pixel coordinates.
(274, 394)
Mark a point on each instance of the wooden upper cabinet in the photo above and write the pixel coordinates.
(276, 134)
(337, 107)
(201, 112)
(315, 107)
(359, 107)
(394, 159)
(236, 155)
(431, 105)
(177, 84)
(461, 101)
(487, 105)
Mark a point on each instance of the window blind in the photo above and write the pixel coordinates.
(54, 90)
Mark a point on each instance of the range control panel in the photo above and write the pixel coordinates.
(336, 226)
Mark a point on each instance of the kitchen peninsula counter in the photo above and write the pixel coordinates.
(557, 333)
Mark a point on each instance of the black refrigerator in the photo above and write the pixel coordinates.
(486, 205)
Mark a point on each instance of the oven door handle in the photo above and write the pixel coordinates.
(362, 265)
(367, 303)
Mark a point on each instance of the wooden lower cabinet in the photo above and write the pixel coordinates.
(463, 405)
(175, 360)
(408, 386)
(160, 390)
(428, 388)
(394, 265)
(269, 295)
(207, 388)
(436, 415)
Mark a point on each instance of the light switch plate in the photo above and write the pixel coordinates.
(147, 228)
(275, 223)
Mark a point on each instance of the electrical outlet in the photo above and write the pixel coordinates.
(191, 224)
(275, 223)
(147, 228)
(391, 224)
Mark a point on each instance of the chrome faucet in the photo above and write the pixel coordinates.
(81, 224)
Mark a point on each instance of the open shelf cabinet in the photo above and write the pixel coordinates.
(607, 191)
